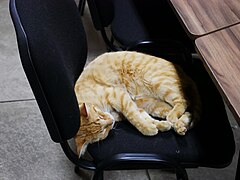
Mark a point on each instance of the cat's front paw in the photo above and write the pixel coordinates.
(181, 131)
(149, 130)
(182, 125)
(180, 128)
(163, 125)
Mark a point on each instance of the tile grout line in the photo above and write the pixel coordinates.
(19, 100)
(148, 174)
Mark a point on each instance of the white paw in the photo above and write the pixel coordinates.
(180, 127)
(163, 125)
(149, 130)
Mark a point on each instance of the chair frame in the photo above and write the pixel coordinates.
(81, 6)
(129, 160)
(108, 38)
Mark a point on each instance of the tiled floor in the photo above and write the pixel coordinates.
(26, 150)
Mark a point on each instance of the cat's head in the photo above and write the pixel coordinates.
(95, 126)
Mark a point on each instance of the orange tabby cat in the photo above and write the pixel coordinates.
(134, 85)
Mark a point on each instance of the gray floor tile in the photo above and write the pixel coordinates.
(211, 174)
(197, 173)
(125, 175)
(157, 174)
(13, 83)
(26, 151)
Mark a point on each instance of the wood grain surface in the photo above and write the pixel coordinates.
(201, 17)
(220, 52)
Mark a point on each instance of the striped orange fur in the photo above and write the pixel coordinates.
(134, 85)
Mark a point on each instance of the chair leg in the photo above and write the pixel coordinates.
(182, 175)
(81, 6)
(98, 175)
(237, 176)
(77, 170)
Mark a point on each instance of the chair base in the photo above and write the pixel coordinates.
(99, 175)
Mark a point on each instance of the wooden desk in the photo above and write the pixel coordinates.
(220, 52)
(201, 17)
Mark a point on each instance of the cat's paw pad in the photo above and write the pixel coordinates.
(181, 131)
(163, 125)
(180, 127)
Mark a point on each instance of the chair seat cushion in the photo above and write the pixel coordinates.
(210, 143)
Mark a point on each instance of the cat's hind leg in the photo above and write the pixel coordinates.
(121, 101)
(183, 123)
(161, 125)
(177, 116)
(154, 107)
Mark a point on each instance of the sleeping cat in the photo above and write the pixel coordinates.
(134, 85)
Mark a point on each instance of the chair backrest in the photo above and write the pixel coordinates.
(53, 50)
(102, 12)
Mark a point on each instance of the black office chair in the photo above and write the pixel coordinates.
(53, 49)
(132, 21)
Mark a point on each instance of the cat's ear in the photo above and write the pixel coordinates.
(83, 110)
(81, 146)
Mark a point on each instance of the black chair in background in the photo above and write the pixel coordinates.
(53, 50)
(133, 21)
(104, 14)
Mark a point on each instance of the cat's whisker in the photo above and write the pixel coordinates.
(115, 126)
(116, 130)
